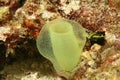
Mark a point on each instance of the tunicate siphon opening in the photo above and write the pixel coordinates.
(61, 27)
(61, 41)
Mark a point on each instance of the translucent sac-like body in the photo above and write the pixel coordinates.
(61, 41)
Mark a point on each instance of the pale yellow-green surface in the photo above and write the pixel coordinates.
(62, 41)
(65, 45)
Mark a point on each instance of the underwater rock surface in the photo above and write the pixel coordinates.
(21, 21)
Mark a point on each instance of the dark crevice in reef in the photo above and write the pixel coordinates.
(21, 2)
(25, 48)
(97, 37)
(2, 54)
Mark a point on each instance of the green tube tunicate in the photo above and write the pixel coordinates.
(61, 41)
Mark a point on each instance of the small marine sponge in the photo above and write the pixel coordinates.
(61, 41)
